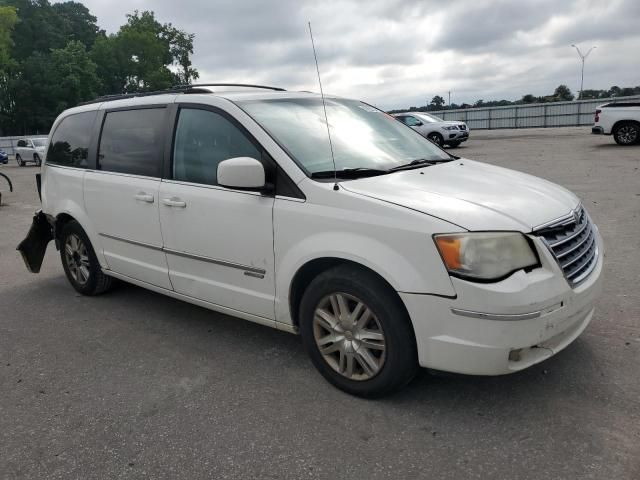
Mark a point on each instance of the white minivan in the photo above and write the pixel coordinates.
(382, 250)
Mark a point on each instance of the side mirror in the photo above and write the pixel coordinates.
(242, 173)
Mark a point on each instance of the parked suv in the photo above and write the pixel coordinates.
(30, 150)
(386, 255)
(622, 120)
(439, 131)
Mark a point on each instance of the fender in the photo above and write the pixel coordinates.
(398, 268)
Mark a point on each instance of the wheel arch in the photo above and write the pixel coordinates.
(619, 122)
(312, 268)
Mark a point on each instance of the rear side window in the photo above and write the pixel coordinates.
(22, 143)
(203, 139)
(131, 142)
(70, 142)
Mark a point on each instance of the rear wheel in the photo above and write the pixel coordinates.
(627, 133)
(80, 262)
(19, 160)
(357, 332)
(36, 159)
(436, 138)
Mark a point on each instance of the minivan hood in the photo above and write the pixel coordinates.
(472, 195)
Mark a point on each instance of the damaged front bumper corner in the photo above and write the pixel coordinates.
(34, 246)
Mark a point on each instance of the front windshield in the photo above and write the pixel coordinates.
(40, 142)
(362, 136)
(429, 118)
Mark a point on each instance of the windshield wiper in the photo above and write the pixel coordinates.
(418, 163)
(350, 173)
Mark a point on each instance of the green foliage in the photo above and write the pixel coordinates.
(437, 102)
(53, 56)
(8, 20)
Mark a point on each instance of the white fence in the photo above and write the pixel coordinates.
(556, 114)
(8, 144)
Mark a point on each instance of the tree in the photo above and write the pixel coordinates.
(138, 57)
(8, 20)
(76, 23)
(528, 98)
(48, 84)
(437, 102)
(562, 93)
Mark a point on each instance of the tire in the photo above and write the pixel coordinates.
(80, 263)
(436, 138)
(19, 160)
(36, 159)
(454, 144)
(627, 133)
(388, 363)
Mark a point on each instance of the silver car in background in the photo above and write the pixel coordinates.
(30, 150)
(439, 131)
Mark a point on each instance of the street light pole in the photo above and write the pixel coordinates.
(582, 58)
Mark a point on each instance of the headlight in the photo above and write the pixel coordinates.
(451, 127)
(485, 255)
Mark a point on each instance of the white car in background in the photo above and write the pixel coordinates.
(31, 150)
(434, 128)
(622, 120)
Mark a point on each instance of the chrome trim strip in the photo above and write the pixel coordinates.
(239, 266)
(132, 242)
(576, 247)
(571, 262)
(565, 240)
(251, 271)
(496, 316)
(564, 219)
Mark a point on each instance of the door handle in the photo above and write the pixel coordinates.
(174, 202)
(144, 197)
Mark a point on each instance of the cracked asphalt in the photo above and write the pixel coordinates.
(133, 384)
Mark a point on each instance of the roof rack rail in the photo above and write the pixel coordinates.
(122, 96)
(247, 85)
(195, 88)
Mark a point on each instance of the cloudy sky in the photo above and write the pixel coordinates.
(397, 53)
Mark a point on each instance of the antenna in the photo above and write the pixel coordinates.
(324, 108)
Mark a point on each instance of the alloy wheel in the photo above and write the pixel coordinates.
(349, 336)
(627, 134)
(77, 259)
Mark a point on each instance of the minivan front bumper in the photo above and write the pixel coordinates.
(499, 328)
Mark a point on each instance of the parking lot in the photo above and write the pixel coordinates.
(134, 384)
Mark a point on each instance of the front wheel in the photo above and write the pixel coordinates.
(357, 332)
(80, 263)
(19, 160)
(436, 138)
(627, 133)
(36, 159)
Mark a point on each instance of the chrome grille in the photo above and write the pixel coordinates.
(572, 241)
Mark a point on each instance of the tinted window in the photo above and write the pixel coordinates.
(131, 142)
(22, 143)
(70, 142)
(411, 121)
(203, 139)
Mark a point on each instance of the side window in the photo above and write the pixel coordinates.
(131, 142)
(22, 143)
(411, 121)
(70, 142)
(203, 139)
